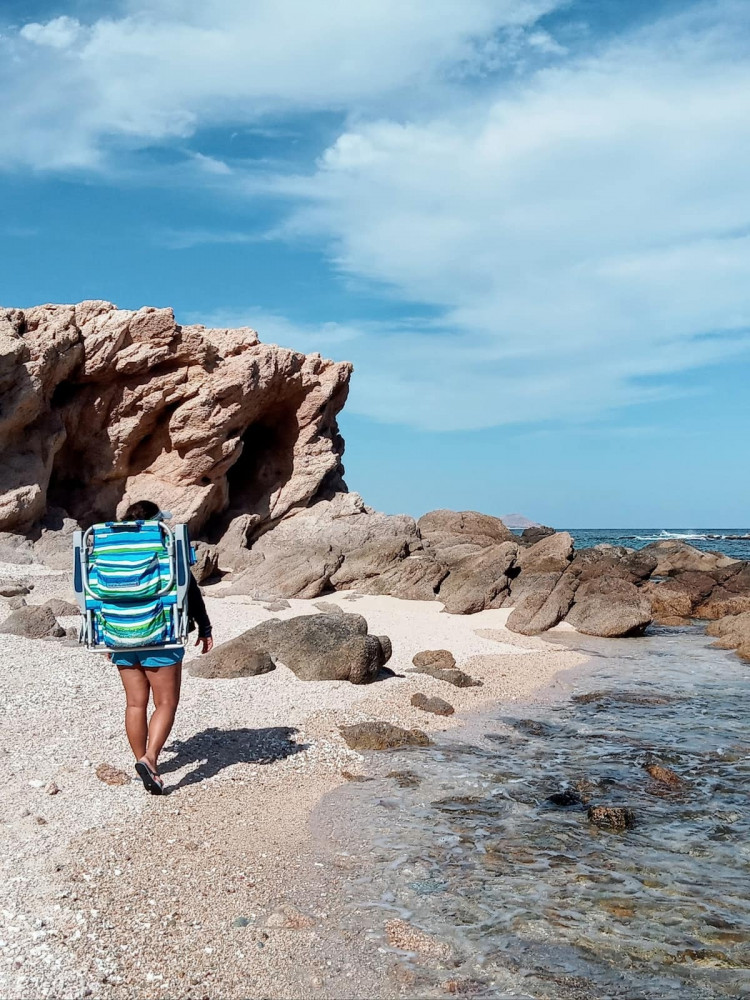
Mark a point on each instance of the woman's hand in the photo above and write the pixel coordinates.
(208, 644)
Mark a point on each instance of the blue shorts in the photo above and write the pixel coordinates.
(150, 658)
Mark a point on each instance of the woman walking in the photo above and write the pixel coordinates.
(157, 674)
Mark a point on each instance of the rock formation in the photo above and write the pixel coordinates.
(102, 406)
(333, 647)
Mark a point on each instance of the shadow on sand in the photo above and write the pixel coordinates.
(214, 749)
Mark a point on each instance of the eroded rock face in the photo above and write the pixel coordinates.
(103, 406)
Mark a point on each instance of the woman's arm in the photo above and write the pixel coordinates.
(197, 611)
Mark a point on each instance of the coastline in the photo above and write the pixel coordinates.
(122, 895)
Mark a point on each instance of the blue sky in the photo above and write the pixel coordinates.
(527, 222)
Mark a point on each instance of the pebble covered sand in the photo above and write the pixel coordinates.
(217, 889)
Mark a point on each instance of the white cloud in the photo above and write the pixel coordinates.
(163, 68)
(580, 234)
(59, 33)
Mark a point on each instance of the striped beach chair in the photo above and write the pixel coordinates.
(131, 581)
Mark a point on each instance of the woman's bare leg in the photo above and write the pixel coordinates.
(165, 687)
(137, 692)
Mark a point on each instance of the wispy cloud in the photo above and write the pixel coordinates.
(74, 90)
(576, 226)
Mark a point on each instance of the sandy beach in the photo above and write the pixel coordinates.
(217, 889)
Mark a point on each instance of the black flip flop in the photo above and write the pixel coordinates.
(149, 778)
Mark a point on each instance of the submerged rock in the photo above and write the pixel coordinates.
(380, 735)
(612, 817)
(664, 775)
(566, 797)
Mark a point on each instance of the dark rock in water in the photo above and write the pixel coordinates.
(625, 697)
(611, 607)
(434, 658)
(566, 797)
(531, 536)
(532, 727)
(664, 775)
(32, 623)
(240, 657)
(382, 736)
(612, 817)
(321, 647)
(455, 676)
(435, 705)
(405, 779)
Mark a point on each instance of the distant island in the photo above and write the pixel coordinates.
(518, 521)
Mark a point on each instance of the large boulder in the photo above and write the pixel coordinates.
(452, 535)
(731, 632)
(723, 602)
(103, 406)
(207, 561)
(480, 580)
(530, 536)
(240, 657)
(323, 647)
(337, 544)
(549, 555)
(610, 606)
(543, 591)
(633, 565)
(32, 622)
(674, 557)
(543, 602)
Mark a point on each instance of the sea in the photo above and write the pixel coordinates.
(484, 842)
(734, 542)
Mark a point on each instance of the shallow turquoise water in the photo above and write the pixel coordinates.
(535, 901)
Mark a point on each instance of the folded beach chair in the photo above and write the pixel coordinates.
(131, 581)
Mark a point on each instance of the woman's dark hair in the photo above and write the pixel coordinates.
(143, 510)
